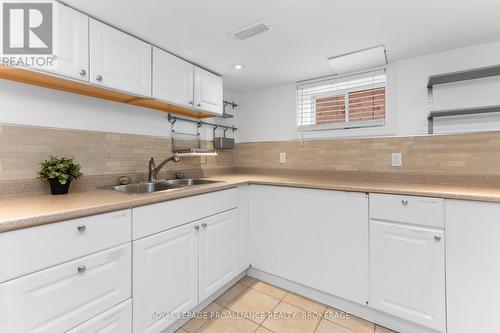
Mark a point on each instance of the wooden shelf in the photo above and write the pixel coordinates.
(57, 83)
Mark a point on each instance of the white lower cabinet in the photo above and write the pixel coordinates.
(473, 266)
(218, 252)
(118, 319)
(408, 273)
(179, 268)
(165, 278)
(59, 298)
(318, 238)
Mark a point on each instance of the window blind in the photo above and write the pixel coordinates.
(339, 103)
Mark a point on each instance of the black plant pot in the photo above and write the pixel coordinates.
(57, 188)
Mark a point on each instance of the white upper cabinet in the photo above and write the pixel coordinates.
(407, 273)
(119, 61)
(219, 255)
(71, 44)
(172, 78)
(208, 91)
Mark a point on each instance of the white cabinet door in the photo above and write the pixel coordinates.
(172, 78)
(119, 61)
(62, 297)
(165, 277)
(118, 319)
(318, 238)
(407, 271)
(71, 44)
(208, 91)
(218, 252)
(473, 266)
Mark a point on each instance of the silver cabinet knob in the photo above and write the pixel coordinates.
(197, 227)
(198, 105)
(404, 202)
(191, 103)
(99, 78)
(81, 268)
(437, 238)
(83, 72)
(81, 227)
(204, 225)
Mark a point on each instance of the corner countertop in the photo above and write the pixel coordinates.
(18, 212)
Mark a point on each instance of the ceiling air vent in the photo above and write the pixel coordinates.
(251, 31)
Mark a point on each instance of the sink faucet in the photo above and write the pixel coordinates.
(154, 170)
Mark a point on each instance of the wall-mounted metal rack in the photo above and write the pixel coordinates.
(226, 103)
(472, 74)
(199, 123)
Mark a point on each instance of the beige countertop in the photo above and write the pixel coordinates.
(17, 212)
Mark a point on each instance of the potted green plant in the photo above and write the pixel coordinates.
(59, 171)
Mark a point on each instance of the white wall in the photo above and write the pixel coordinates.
(22, 104)
(269, 114)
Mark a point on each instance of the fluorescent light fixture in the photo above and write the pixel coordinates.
(193, 152)
(359, 60)
(238, 67)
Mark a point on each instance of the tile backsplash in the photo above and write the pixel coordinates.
(99, 153)
(464, 154)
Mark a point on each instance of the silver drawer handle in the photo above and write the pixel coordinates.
(197, 227)
(81, 228)
(404, 202)
(437, 238)
(83, 72)
(81, 268)
(204, 225)
(99, 78)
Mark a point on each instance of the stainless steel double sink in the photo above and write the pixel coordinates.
(160, 185)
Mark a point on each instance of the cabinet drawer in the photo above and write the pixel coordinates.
(407, 209)
(151, 219)
(116, 320)
(29, 250)
(62, 297)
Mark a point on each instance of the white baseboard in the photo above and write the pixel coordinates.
(365, 312)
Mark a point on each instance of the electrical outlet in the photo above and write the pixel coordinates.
(397, 159)
(282, 158)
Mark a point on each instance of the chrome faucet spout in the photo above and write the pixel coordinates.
(154, 170)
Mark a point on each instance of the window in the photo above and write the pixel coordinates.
(341, 103)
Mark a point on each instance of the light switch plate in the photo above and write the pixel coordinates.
(282, 158)
(397, 159)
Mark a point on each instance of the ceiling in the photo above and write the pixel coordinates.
(305, 32)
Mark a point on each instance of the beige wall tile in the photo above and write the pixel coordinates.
(22, 149)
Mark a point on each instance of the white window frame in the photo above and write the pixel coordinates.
(370, 128)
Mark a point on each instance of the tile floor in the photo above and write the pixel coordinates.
(245, 308)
